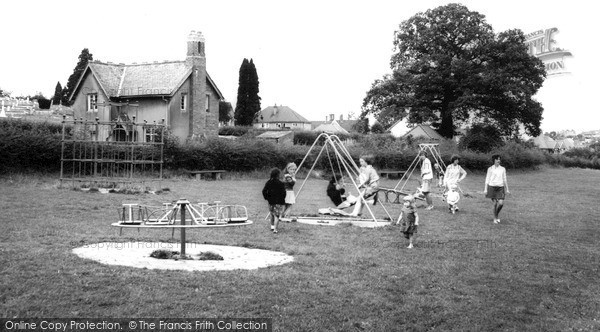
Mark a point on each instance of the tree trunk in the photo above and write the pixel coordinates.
(447, 125)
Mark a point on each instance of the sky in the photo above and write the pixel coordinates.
(316, 57)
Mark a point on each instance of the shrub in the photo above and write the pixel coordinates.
(28, 145)
(481, 138)
(515, 155)
(234, 131)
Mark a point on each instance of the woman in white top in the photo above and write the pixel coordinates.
(496, 186)
(426, 177)
(368, 179)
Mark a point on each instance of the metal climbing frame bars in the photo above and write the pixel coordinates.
(111, 152)
(433, 150)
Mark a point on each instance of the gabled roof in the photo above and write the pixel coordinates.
(544, 142)
(332, 127)
(280, 114)
(141, 80)
(345, 124)
(424, 131)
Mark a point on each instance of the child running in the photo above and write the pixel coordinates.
(409, 219)
(274, 193)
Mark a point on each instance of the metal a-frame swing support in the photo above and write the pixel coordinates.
(433, 151)
(344, 162)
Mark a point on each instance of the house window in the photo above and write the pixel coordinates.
(184, 99)
(92, 102)
(152, 135)
(207, 103)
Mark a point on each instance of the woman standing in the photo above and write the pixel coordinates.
(454, 173)
(496, 186)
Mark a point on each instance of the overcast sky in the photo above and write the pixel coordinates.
(317, 57)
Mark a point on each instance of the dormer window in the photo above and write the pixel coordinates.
(92, 102)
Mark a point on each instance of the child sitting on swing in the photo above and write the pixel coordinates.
(369, 180)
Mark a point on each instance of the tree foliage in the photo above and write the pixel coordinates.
(225, 110)
(84, 57)
(58, 94)
(248, 101)
(449, 68)
(361, 126)
(482, 138)
(377, 128)
(43, 102)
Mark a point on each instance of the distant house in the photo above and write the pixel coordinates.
(341, 125)
(399, 128)
(279, 137)
(424, 131)
(180, 92)
(332, 127)
(545, 143)
(281, 117)
(548, 144)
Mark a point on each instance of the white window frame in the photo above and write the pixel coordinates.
(92, 102)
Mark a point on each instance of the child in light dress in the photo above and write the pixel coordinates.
(452, 198)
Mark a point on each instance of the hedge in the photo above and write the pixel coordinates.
(36, 146)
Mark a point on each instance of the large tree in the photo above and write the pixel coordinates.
(248, 101)
(58, 94)
(84, 57)
(449, 67)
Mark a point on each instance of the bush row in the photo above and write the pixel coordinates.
(36, 146)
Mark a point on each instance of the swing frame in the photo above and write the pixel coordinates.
(344, 163)
(433, 150)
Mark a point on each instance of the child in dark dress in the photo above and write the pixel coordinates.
(274, 193)
(409, 219)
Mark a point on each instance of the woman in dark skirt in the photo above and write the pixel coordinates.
(496, 186)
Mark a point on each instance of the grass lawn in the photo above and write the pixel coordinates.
(536, 270)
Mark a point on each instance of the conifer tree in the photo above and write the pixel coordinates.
(84, 58)
(58, 93)
(248, 101)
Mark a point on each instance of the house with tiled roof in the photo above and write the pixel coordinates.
(346, 125)
(179, 92)
(281, 118)
(423, 131)
(332, 127)
(545, 143)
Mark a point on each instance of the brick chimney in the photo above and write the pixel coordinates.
(341, 117)
(196, 58)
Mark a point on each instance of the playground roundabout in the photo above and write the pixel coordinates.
(137, 255)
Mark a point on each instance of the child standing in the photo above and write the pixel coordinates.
(274, 193)
(289, 179)
(409, 219)
(452, 198)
